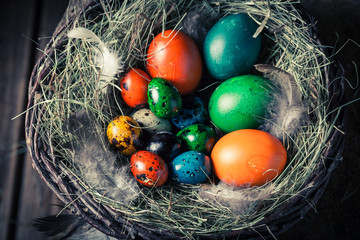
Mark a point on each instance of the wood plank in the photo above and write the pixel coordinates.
(15, 22)
(36, 198)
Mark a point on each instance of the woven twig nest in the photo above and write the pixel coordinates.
(60, 99)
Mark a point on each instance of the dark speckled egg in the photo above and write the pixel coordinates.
(165, 144)
(193, 111)
(163, 98)
(124, 133)
(197, 137)
(190, 167)
(148, 168)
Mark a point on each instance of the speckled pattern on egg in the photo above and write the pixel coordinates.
(150, 123)
(163, 98)
(148, 168)
(124, 133)
(165, 144)
(193, 112)
(190, 167)
(197, 137)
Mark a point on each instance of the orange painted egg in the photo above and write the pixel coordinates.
(248, 157)
(149, 169)
(134, 87)
(124, 133)
(174, 56)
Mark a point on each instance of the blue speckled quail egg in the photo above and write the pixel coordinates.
(190, 167)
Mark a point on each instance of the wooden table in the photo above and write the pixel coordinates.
(25, 28)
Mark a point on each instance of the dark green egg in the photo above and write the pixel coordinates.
(197, 137)
(240, 103)
(229, 47)
(164, 99)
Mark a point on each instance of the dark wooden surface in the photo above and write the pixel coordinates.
(25, 26)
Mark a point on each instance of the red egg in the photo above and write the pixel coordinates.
(174, 56)
(248, 157)
(134, 87)
(148, 168)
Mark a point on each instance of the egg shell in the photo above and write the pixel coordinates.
(190, 167)
(124, 133)
(148, 168)
(165, 144)
(192, 112)
(134, 87)
(150, 123)
(164, 99)
(248, 157)
(174, 56)
(229, 47)
(240, 103)
(197, 137)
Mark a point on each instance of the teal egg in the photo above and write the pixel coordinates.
(229, 47)
(197, 137)
(240, 103)
(163, 98)
(190, 167)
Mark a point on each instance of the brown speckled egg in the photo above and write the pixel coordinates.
(124, 133)
(148, 168)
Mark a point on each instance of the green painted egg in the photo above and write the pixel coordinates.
(197, 137)
(163, 98)
(240, 103)
(229, 47)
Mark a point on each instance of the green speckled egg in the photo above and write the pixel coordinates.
(240, 103)
(164, 99)
(229, 47)
(197, 137)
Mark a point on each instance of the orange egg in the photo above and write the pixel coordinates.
(174, 56)
(134, 87)
(248, 157)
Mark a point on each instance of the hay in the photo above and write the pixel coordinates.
(69, 87)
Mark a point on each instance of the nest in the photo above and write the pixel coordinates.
(66, 106)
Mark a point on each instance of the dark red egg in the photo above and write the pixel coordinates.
(148, 168)
(134, 87)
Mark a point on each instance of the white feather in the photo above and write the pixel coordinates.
(105, 60)
(99, 170)
(286, 112)
(241, 201)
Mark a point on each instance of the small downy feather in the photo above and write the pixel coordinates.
(240, 201)
(105, 60)
(98, 163)
(287, 112)
(100, 171)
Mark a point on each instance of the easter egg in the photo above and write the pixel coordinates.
(197, 137)
(165, 144)
(248, 157)
(190, 167)
(134, 87)
(164, 99)
(174, 56)
(239, 103)
(150, 123)
(192, 112)
(124, 133)
(148, 168)
(229, 47)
